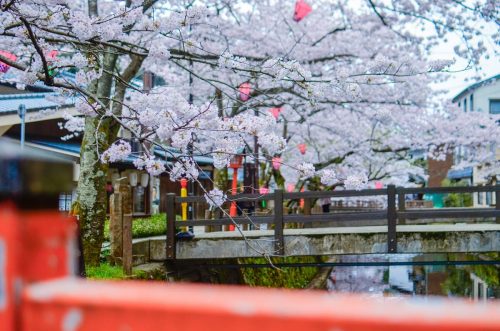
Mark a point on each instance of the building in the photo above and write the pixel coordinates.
(483, 96)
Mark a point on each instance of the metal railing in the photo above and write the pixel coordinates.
(394, 213)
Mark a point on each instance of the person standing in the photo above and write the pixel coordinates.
(325, 203)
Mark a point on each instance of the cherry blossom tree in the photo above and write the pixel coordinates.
(351, 81)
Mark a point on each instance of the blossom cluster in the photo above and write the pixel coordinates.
(356, 182)
(215, 198)
(152, 165)
(184, 168)
(118, 151)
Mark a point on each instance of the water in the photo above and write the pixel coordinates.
(478, 282)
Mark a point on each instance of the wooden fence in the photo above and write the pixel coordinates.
(394, 213)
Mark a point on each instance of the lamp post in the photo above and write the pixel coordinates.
(234, 164)
(184, 204)
(21, 111)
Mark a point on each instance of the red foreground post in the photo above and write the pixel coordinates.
(34, 246)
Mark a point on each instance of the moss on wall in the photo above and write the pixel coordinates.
(282, 278)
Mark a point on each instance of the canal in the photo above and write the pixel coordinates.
(423, 276)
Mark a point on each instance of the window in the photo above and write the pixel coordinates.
(471, 103)
(488, 198)
(465, 105)
(139, 198)
(65, 201)
(494, 106)
(479, 198)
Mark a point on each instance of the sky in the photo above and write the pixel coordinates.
(458, 81)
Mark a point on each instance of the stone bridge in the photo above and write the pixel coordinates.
(428, 238)
(393, 228)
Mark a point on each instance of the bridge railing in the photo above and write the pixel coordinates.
(394, 213)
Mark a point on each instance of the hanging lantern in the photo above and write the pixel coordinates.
(379, 185)
(302, 9)
(263, 190)
(114, 177)
(276, 162)
(290, 187)
(144, 179)
(302, 148)
(52, 55)
(236, 161)
(244, 91)
(276, 112)
(302, 202)
(4, 67)
(132, 179)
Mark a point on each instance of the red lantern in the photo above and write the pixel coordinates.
(302, 9)
(379, 185)
(244, 91)
(52, 55)
(302, 148)
(302, 202)
(290, 187)
(236, 161)
(276, 112)
(263, 190)
(4, 67)
(276, 162)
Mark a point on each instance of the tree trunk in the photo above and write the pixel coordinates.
(92, 196)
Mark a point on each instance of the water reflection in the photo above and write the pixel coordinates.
(478, 282)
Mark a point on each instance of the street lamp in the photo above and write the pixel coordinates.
(235, 163)
(21, 111)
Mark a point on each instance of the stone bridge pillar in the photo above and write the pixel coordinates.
(120, 226)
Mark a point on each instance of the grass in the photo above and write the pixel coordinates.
(105, 271)
(144, 227)
(108, 272)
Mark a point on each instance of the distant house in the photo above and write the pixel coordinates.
(483, 96)
(42, 131)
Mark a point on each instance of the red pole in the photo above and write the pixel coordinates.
(233, 210)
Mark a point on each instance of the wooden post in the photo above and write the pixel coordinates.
(208, 216)
(391, 219)
(497, 200)
(401, 205)
(127, 244)
(171, 226)
(307, 212)
(279, 242)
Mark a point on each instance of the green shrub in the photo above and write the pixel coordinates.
(144, 227)
(456, 199)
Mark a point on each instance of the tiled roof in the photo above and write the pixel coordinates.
(9, 103)
(72, 147)
(175, 153)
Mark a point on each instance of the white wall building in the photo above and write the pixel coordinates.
(483, 96)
